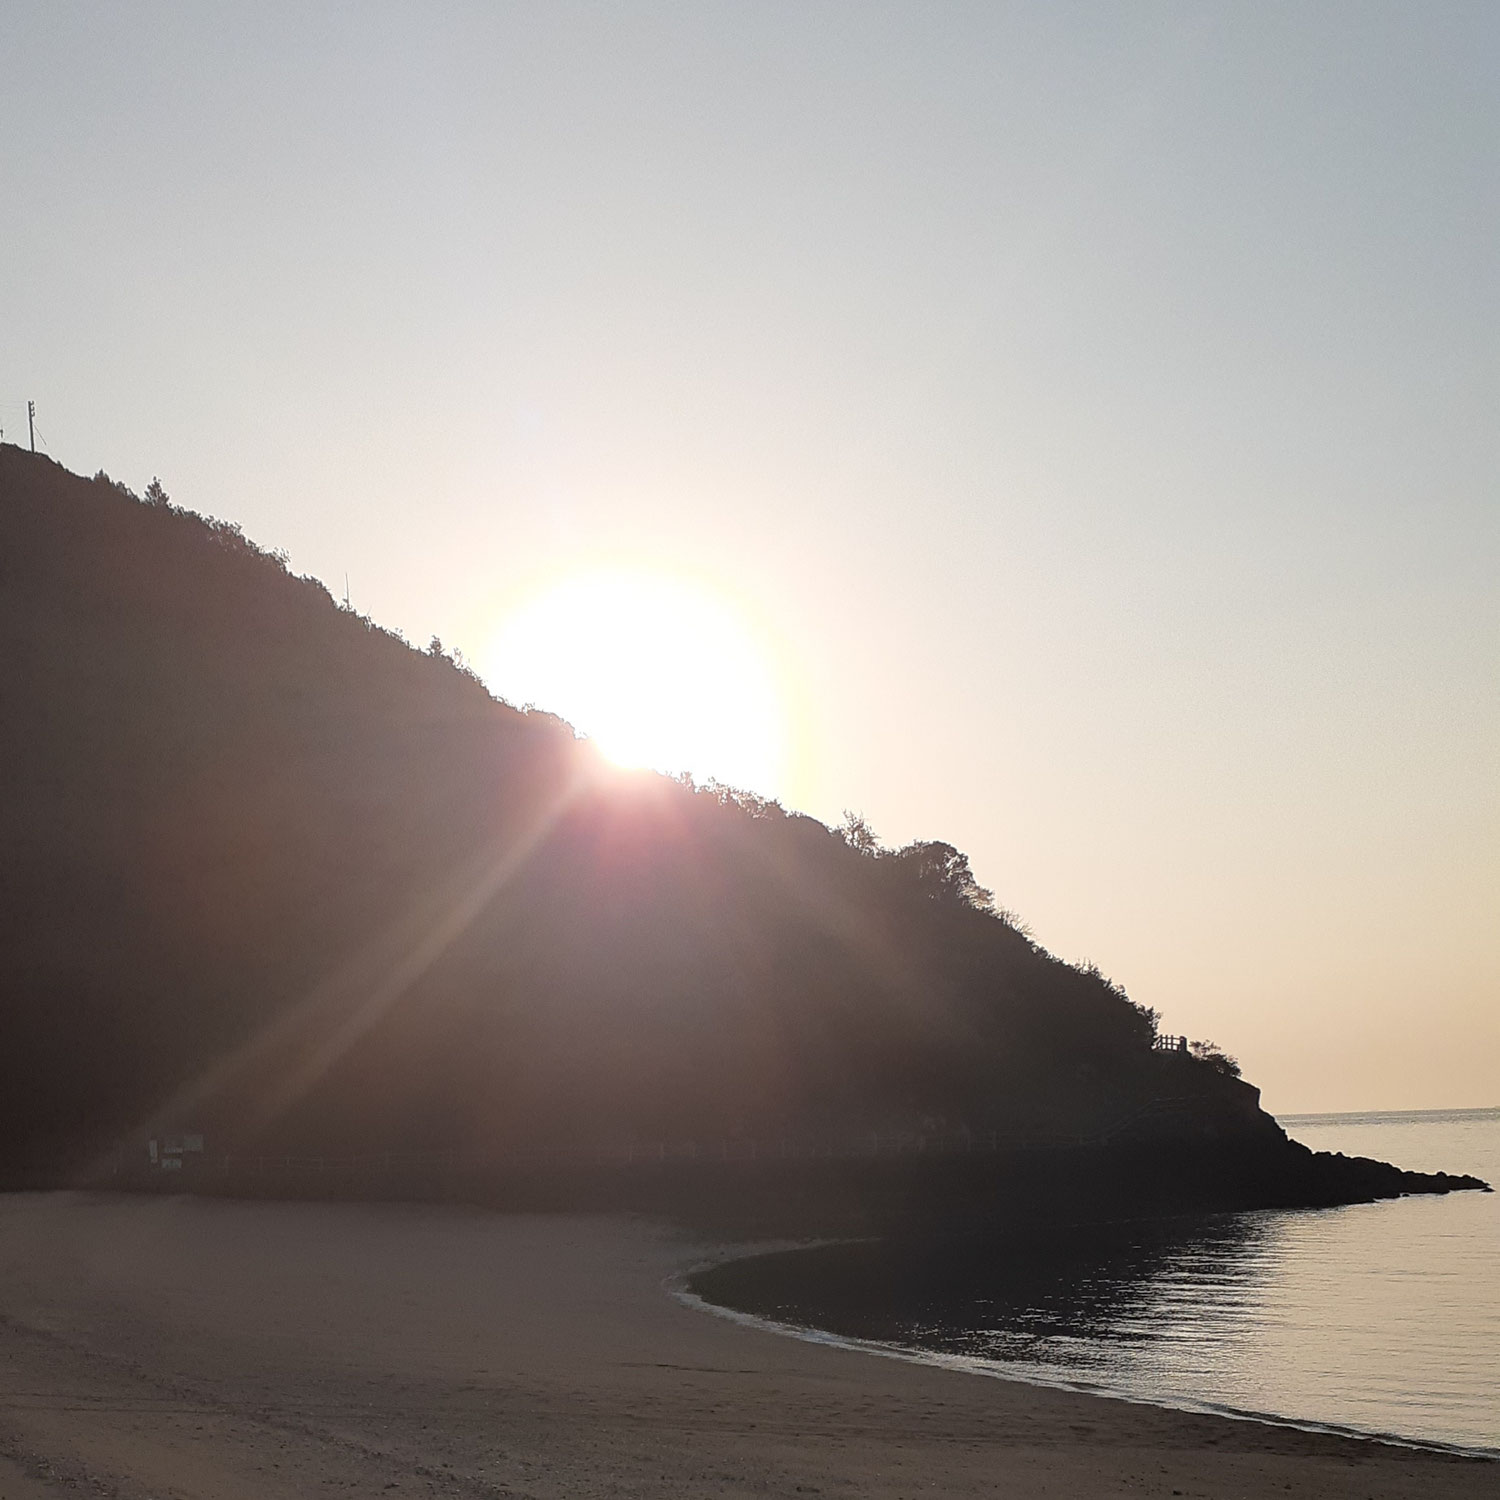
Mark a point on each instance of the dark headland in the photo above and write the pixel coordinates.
(276, 879)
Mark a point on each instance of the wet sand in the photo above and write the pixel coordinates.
(176, 1347)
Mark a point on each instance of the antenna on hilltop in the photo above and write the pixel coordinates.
(31, 422)
(346, 591)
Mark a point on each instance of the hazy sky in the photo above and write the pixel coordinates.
(1096, 406)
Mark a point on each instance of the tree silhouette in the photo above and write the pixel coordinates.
(857, 833)
(942, 873)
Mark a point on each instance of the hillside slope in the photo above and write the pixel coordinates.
(268, 870)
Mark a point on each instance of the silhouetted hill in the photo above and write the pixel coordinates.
(268, 871)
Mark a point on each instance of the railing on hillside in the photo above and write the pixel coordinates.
(845, 1146)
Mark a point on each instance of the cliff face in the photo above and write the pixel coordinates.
(267, 870)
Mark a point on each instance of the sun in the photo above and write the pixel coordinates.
(660, 671)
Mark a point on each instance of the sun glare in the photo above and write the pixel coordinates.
(660, 671)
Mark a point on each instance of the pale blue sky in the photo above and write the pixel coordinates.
(1097, 402)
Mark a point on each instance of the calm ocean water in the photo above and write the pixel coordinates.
(1379, 1318)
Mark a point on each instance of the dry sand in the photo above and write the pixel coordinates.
(175, 1347)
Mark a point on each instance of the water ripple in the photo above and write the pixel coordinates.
(1378, 1318)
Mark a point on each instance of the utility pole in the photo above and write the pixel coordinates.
(31, 422)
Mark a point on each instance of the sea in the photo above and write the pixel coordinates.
(1378, 1319)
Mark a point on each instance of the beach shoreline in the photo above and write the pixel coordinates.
(217, 1348)
(988, 1369)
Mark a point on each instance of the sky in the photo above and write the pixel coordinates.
(1087, 412)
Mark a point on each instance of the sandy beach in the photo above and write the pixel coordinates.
(179, 1347)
